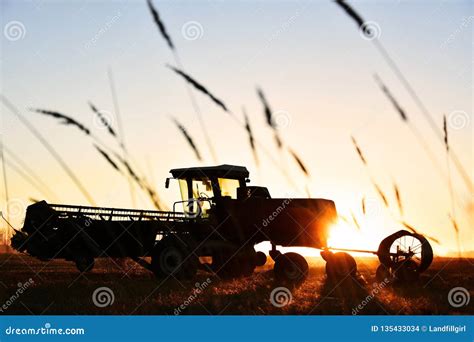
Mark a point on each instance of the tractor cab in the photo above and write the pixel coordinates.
(201, 187)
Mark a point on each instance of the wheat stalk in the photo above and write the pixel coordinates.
(159, 23)
(104, 121)
(248, 128)
(351, 12)
(49, 147)
(188, 138)
(399, 198)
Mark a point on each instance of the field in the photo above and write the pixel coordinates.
(56, 287)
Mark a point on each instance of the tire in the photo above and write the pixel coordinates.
(84, 263)
(172, 257)
(260, 259)
(227, 265)
(382, 273)
(340, 265)
(406, 271)
(291, 268)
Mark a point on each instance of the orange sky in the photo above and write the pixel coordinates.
(316, 72)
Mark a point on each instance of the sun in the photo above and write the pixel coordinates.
(348, 236)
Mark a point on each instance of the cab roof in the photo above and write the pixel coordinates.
(221, 171)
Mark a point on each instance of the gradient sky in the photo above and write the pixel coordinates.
(316, 71)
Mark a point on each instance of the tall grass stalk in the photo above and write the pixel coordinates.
(351, 12)
(49, 148)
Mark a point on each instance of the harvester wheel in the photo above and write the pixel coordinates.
(291, 268)
(171, 257)
(406, 271)
(382, 273)
(84, 263)
(340, 265)
(228, 265)
(260, 259)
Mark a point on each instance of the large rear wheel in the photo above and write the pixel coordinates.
(340, 265)
(174, 257)
(84, 263)
(231, 264)
(291, 268)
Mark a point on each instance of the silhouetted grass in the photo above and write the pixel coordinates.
(188, 138)
(199, 87)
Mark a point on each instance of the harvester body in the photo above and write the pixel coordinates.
(222, 218)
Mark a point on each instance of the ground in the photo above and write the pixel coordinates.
(56, 287)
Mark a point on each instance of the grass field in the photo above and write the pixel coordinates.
(58, 288)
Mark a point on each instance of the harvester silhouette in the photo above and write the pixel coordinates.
(222, 218)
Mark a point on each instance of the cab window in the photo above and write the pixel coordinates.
(229, 187)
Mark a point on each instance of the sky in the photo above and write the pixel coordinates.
(315, 69)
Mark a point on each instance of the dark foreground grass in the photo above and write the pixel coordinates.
(59, 288)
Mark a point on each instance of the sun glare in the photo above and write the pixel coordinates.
(345, 235)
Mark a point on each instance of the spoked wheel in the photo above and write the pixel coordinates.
(340, 265)
(405, 254)
(172, 257)
(291, 268)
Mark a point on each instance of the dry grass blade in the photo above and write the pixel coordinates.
(14, 110)
(344, 219)
(399, 198)
(108, 158)
(199, 87)
(392, 99)
(363, 205)
(445, 130)
(382, 195)
(359, 151)
(67, 120)
(269, 117)
(354, 219)
(455, 225)
(299, 162)
(355, 16)
(188, 138)
(160, 24)
(278, 141)
(248, 128)
(415, 231)
(456, 230)
(351, 12)
(266, 108)
(103, 120)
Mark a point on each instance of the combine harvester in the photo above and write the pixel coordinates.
(223, 218)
